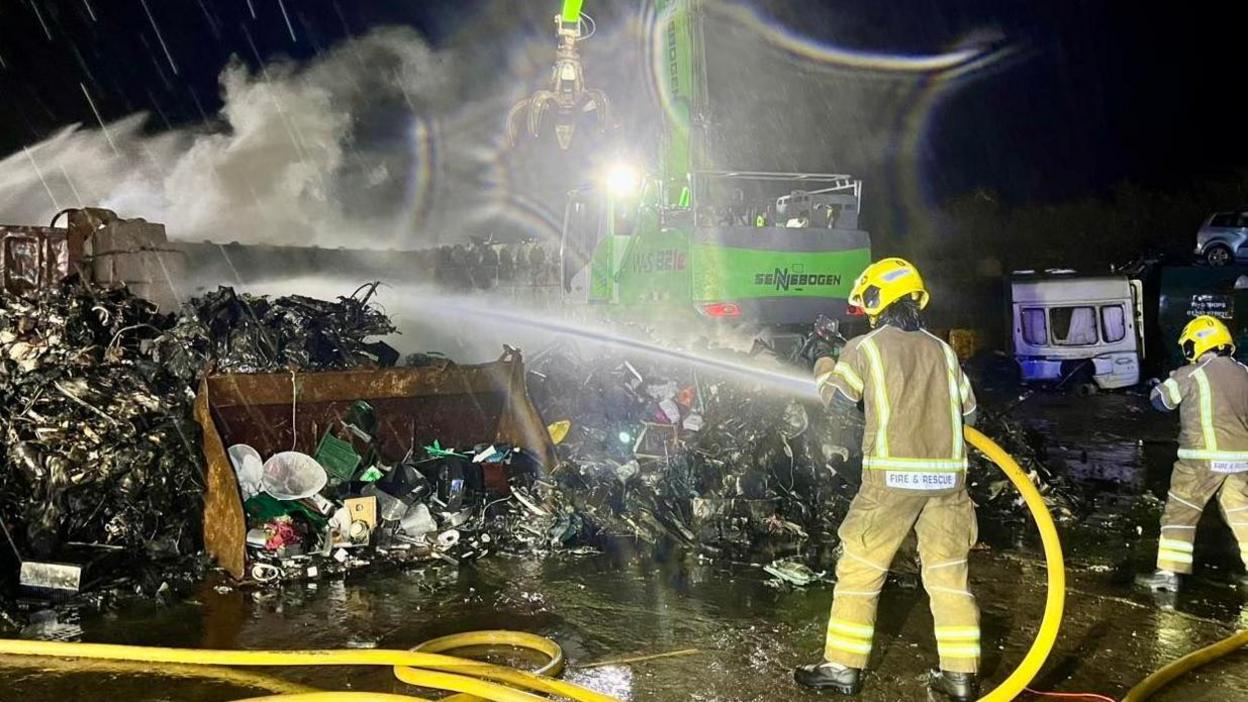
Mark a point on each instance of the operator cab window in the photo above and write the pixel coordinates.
(1073, 326)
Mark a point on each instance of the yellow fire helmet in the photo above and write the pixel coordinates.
(1204, 334)
(886, 281)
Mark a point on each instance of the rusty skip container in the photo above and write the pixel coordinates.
(458, 405)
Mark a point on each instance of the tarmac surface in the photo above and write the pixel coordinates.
(749, 634)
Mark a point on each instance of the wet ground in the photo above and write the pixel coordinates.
(749, 634)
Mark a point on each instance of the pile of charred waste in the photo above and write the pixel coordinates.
(102, 470)
(235, 332)
(669, 454)
(100, 464)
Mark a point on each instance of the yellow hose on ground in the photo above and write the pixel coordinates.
(500, 637)
(1056, 600)
(497, 637)
(241, 679)
(1191, 661)
(427, 670)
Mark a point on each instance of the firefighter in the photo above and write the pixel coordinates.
(1211, 394)
(916, 399)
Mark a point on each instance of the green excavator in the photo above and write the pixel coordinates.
(671, 240)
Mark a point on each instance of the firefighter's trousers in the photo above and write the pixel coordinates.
(878, 521)
(1191, 486)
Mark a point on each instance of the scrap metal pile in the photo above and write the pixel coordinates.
(667, 453)
(238, 332)
(99, 454)
(101, 465)
(671, 454)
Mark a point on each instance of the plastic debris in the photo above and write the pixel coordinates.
(291, 475)
(418, 521)
(248, 468)
(559, 430)
(792, 572)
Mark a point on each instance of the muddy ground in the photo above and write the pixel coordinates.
(749, 634)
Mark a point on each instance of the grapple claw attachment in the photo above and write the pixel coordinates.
(565, 103)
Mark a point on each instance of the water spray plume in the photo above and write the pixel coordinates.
(786, 383)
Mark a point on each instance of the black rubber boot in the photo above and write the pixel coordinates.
(1159, 581)
(960, 687)
(829, 676)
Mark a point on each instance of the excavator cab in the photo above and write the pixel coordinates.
(583, 228)
(596, 224)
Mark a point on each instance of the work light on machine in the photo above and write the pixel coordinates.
(622, 180)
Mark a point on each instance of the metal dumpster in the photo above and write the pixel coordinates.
(458, 405)
(1188, 291)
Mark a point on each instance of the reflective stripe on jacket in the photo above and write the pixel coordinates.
(915, 396)
(1212, 399)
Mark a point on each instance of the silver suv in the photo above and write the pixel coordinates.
(1223, 238)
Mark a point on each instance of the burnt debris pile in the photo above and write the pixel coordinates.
(671, 454)
(102, 460)
(243, 333)
(99, 452)
(997, 499)
(102, 463)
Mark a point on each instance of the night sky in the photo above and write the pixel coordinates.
(1096, 94)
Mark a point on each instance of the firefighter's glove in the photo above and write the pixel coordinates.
(823, 348)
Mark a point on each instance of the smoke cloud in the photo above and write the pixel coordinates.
(299, 154)
(385, 142)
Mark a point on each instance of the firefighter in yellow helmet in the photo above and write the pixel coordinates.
(1211, 394)
(916, 399)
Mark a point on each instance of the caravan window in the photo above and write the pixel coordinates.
(1113, 324)
(1035, 326)
(1074, 326)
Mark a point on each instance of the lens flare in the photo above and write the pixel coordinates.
(622, 180)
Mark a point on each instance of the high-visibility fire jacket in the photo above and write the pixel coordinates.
(1212, 399)
(915, 396)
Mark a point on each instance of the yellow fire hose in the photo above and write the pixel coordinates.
(241, 679)
(425, 667)
(477, 680)
(1191, 661)
(1056, 599)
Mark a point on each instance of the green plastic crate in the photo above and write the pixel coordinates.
(338, 457)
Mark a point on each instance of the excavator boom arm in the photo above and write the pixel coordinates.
(572, 11)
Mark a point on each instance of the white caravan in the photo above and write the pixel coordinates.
(1066, 324)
